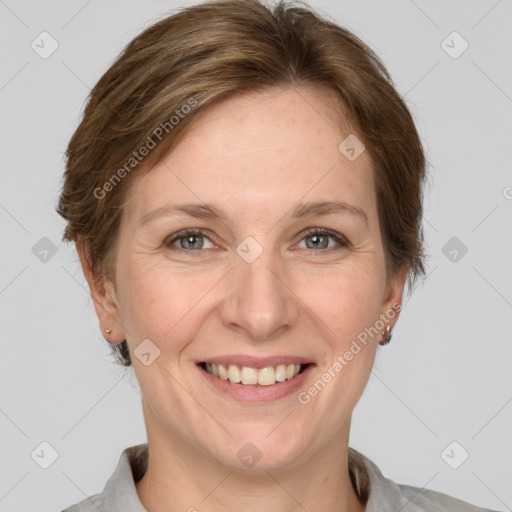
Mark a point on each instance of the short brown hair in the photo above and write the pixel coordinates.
(205, 53)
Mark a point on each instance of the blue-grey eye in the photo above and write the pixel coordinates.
(192, 242)
(317, 241)
(320, 240)
(189, 240)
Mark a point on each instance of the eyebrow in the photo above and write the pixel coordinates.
(210, 211)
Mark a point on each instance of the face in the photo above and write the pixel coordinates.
(253, 286)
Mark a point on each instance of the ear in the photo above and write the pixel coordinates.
(392, 303)
(103, 296)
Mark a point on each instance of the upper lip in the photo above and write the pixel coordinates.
(256, 362)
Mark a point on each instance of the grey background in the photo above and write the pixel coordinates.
(446, 374)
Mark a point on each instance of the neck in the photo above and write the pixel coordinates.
(182, 477)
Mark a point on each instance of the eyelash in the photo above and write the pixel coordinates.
(340, 239)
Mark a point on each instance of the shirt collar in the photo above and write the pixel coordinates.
(120, 492)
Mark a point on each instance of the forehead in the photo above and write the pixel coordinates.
(260, 153)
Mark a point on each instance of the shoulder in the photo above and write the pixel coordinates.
(90, 504)
(120, 491)
(420, 500)
(384, 495)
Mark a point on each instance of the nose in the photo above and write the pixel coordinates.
(260, 303)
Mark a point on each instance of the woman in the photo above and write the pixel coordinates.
(245, 195)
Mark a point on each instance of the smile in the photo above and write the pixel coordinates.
(249, 376)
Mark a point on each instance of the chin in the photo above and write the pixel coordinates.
(260, 452)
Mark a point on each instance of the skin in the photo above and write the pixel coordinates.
(254, 156)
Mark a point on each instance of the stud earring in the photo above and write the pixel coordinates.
(387, 336)
(109, 330)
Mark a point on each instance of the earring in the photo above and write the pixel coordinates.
(387, 335)
(108, 331)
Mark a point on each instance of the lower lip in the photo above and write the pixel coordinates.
(256, 393)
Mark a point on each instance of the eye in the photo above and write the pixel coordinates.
(320, 239)
(189, 240)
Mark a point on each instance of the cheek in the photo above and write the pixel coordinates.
(349, 306)
(159, 302)
(346, 299)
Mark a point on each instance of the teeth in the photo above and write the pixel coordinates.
(280, 372)
(267, 376)
(250, 376)
(223, 373)
(233, 373)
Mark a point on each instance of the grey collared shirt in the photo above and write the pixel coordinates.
(120, 494)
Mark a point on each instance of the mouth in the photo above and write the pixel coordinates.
(251, 376)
